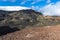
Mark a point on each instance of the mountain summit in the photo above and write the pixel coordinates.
(22, 18)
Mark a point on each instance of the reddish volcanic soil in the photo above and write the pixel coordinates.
(39, 33)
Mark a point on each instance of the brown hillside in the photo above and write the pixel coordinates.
(39, 33)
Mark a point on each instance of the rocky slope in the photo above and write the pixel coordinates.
(20, 18)
(28, 25)
(24, 18)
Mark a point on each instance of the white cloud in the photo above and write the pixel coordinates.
(32, 7)
(35, 1)
(48, 1)
(51, 9)
(9, 0)
(12, 8)
(12, 0)
(24, 1)
(35, 7)
(4, 0)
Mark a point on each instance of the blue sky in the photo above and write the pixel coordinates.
(44, 6)
(27, 3)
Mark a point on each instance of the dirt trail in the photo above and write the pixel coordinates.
(39, 33)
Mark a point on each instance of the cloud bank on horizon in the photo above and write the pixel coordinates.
(51, 9)
(47, 7)
(13, 8)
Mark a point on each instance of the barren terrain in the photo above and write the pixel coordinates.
(38, 33)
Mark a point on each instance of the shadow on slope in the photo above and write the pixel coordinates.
(5, 30)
